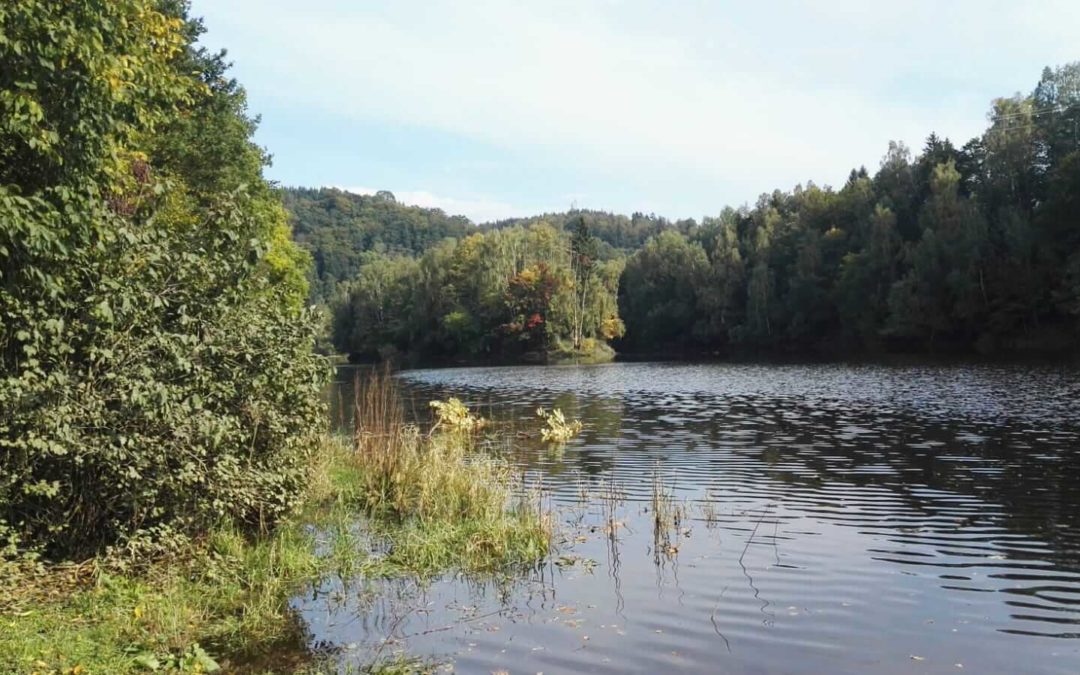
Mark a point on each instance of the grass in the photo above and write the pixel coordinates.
(439, 501)
(227, 596)
(668, 516)
(430, 501)
(591, 351)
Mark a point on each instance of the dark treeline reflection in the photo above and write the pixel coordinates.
(954, 247)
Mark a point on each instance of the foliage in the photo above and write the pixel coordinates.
(508, 293)
(155, 359)
(616, 234)
(971, 247)
(340, 228)
(455, 415)
(556, 428)
(961, 248)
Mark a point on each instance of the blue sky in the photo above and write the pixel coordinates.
(495, 109)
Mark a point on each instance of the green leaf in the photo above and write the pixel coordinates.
(147, 661)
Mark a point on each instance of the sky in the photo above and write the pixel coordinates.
(495, 109)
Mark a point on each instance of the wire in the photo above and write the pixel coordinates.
(1035, 113)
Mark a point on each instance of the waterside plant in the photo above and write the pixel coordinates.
(446, 503)
(557, 429)
(391, 501)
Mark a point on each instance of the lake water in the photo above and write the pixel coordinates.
(836, 519)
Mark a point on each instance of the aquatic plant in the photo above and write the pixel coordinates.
(668, 516)
(709, 512)
(455, 415)
(557, 429)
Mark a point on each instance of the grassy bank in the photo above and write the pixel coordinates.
(590, 351)
(431, 501)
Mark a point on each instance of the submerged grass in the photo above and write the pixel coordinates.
(431, 504)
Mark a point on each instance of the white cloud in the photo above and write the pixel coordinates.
(744, 99)
(476, 210)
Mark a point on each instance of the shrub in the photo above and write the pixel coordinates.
(156, 372)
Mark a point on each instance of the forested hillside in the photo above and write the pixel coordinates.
(616, 233)
(967, 248)
(973, 247)
(341, 229)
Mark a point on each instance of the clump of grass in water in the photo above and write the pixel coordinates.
(440, 502)
(709, 512)
(668, 516)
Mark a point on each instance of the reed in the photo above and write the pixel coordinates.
(445, 502)
(668, 516)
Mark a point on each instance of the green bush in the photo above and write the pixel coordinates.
(156, 370)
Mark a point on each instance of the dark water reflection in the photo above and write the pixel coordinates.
(840, 519)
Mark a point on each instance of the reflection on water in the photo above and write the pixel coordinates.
(833, 519)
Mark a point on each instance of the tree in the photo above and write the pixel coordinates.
(584, 250)
(156, 368)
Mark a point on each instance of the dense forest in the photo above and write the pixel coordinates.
(517, 292)
(955, 248)
(156, 365)
(344, 230)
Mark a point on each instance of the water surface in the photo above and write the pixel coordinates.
(839, 519)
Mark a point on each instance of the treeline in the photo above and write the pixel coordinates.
(156, 366)
(342, 230)
(615, 232)
(976, 247)
(533, 292)
(964, 248)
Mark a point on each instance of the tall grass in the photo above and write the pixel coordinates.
(446, 502)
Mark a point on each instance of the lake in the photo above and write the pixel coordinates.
(832, 519)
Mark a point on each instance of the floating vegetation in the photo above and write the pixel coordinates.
(455, 415)
(557, 429)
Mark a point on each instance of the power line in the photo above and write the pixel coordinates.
(1034, 113)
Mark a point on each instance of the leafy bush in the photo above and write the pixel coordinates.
(557, 429)
(156, 372)
(455, 415)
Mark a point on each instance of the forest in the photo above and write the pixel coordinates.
(343, 231)
(971, 248)
(516, 293)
